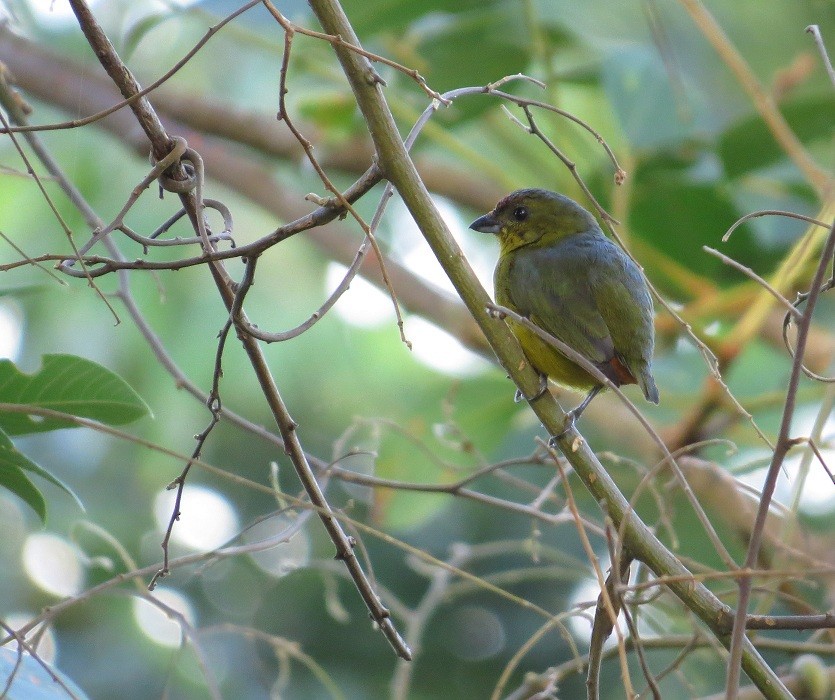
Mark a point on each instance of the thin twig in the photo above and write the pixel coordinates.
(815, 31)
(283, 646)
(419, 617)
(576, 357)
(530, 642)
(748, 272)
(457, 489)
(781, 449)
(770, 212)
(652, 681)
(608, 604)
(161, 144)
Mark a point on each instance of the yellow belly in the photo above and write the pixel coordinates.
(547, 360)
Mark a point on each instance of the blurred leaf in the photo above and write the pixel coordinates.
(69, 384)
(481, 406)
(679, 207)
(138, 29)
(373, 16)
(472, 48)
(593, 21)
(31, 681)
(335, 113)
(12, 465)
(13, 478)
(650, 112)
(749, 145)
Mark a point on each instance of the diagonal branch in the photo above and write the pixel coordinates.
(161, 145)
(784, 443)
(398, 168)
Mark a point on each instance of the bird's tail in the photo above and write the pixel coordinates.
(647, 384)
(620, 373)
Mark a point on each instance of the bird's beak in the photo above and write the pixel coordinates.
(486, 224)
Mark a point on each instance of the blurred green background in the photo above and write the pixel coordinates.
(697, 157)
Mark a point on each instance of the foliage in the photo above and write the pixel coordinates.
(67, 386)
(463, 523)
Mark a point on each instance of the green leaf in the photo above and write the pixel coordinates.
(472, 48)
(13, 479)
(13, 463)
(749, 145)
(139, 29)
(69, 384)
(681, 203)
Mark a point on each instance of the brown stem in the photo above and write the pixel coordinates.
(639, 541)
(161, 144)
(784, 443)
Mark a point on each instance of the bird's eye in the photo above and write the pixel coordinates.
(520, 213)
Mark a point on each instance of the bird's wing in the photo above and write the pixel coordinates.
(551, 287)
(622, 299)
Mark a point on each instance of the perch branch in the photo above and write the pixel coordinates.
(639, 541)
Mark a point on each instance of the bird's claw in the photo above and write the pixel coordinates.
(572, 416)
(567, 425)
(518, 397)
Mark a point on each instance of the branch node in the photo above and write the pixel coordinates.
(374, 78)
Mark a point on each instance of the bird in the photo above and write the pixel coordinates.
(558, 269)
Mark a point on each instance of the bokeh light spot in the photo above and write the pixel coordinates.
(207, 519)
(284, 557)
(155, 623)
(53, 564)
(584, 597)
(11, 329)
(477, 633)
(439, 350)
(362, 305)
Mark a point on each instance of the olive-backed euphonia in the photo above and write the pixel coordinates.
(558, 269)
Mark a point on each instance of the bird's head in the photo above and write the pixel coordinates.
(534, 217)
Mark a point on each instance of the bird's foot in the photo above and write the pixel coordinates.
(574, 414)
(567, 425)
(543, 387)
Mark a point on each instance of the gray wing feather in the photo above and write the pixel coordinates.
(588, 293)
(552, 287)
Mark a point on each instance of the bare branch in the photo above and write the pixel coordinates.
(815, 31)
(780, 451)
